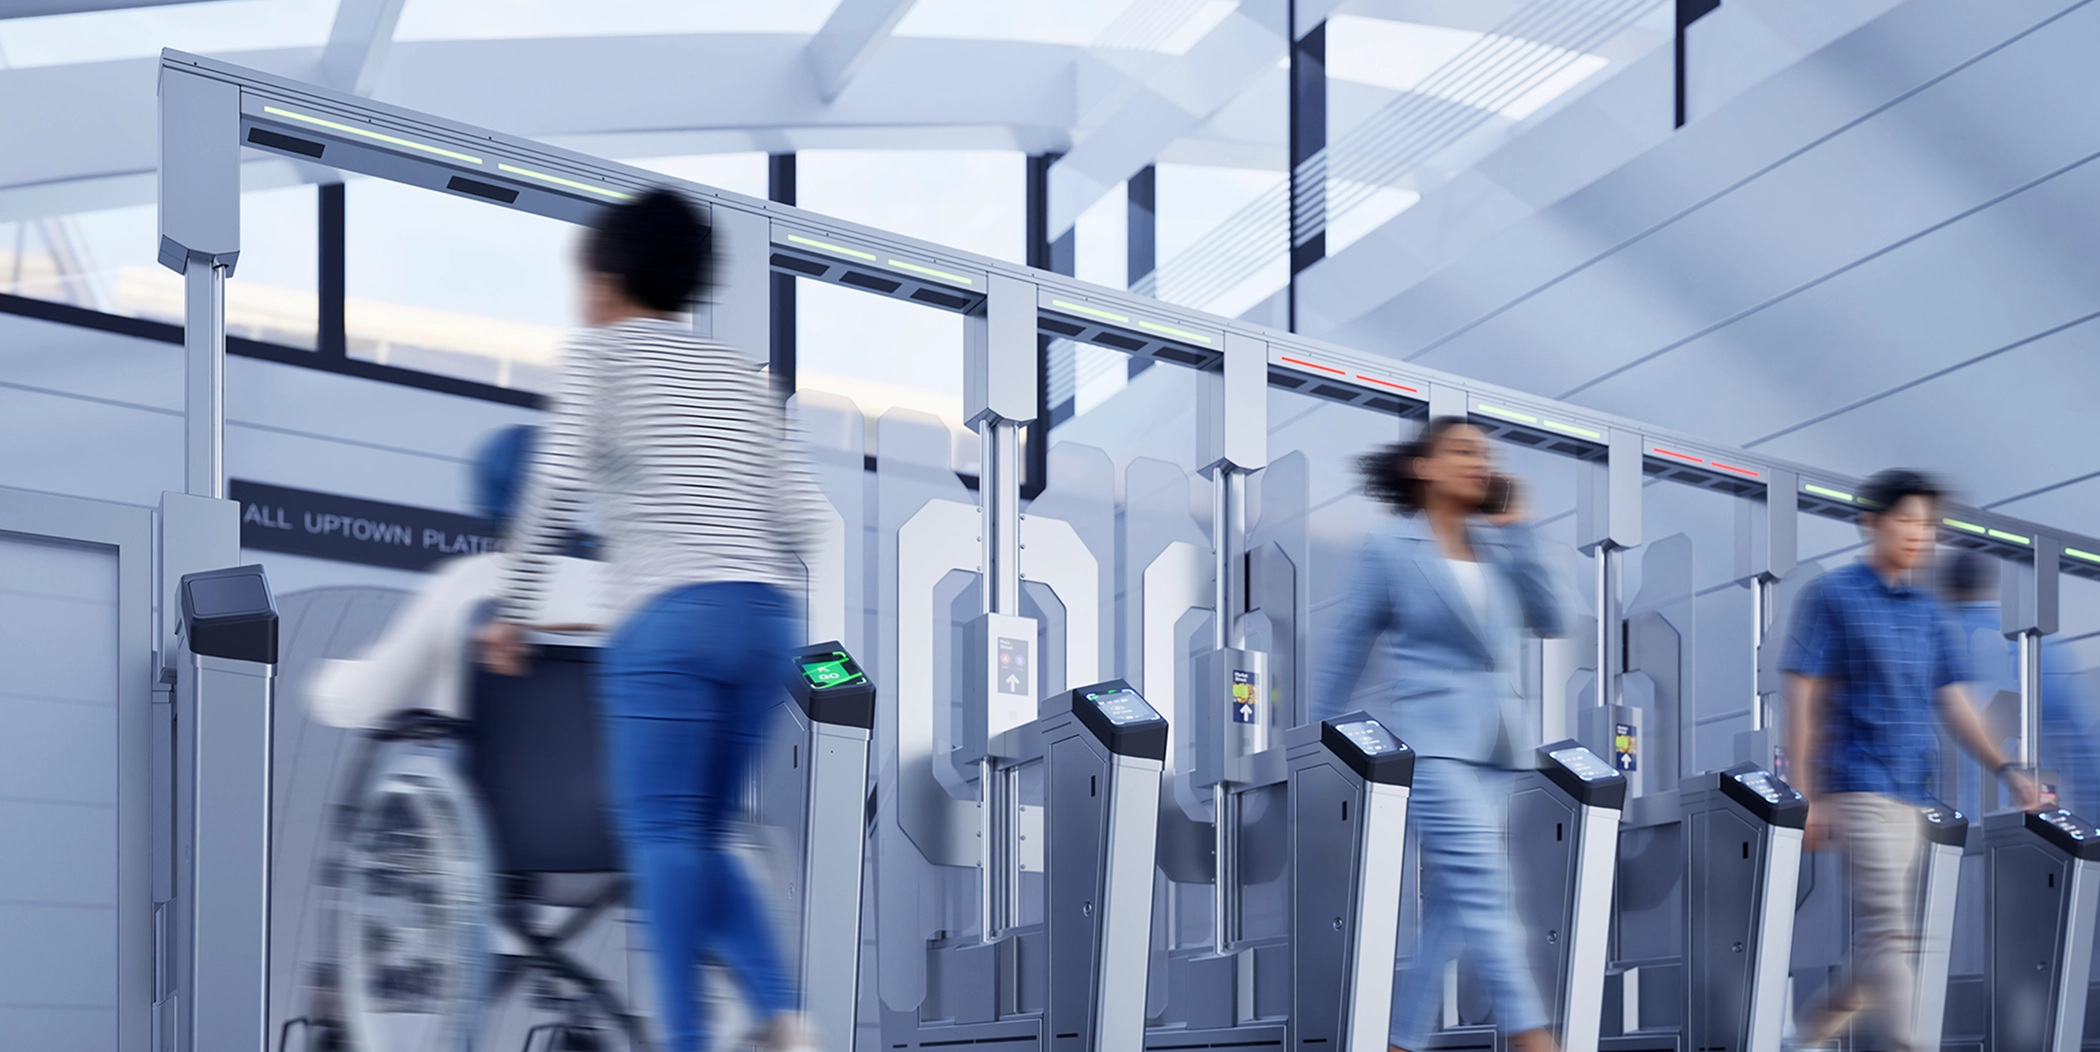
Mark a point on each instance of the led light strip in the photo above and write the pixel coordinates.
(1967, 526)
(1507, 414)
(1824, 491)
(2013, 537)
(1385, 383)
(391, 140)
(1732, 467)
(933, 273)
(1573, 430)
(1193, 337)
(2080, 553)
(1092, 312)
(829, 247)
(564, 181)
(1310, 365)
(1673, 453)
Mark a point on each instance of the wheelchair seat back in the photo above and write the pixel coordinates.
(535, 750)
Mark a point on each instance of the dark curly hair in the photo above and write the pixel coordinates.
(1388, 471)
(658, 246)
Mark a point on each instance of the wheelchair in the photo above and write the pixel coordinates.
(466, 860)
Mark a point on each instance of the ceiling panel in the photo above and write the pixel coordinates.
(1994, 279)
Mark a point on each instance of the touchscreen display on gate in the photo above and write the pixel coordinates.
(824, 671)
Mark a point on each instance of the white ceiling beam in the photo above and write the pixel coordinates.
(1173, 101)
(39, 8)
(358, 44)
(82, 137)
(851, 36)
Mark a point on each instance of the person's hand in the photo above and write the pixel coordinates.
(1515, 512)
(1813, 833)
(2025, 793)
(502, 645)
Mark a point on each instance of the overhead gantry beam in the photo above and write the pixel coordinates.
(298, 120)
(853, 33)
(80, 137)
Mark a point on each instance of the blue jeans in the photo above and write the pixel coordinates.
(687, 684)
(1455, 809)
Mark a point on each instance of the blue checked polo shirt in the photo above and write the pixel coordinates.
(1887, 652)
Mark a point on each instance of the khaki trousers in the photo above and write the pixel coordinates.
(1880, 839)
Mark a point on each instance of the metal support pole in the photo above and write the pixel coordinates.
(1761, 601)
(204, 398)
(999, 483)
(2030, 644)
(1608, 625)
(1225, 862)
(1229, 514)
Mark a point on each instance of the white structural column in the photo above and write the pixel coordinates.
(357, 46)
(1167, 106)
(855, 31)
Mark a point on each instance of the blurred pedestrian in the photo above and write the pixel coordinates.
(1872, 663)
(422, 660)
(677, 446)
(2070, 739)
(1452, 585)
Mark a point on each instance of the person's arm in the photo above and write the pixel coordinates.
(556, 495)
(1805, 697)
(803, 505)
(1966, 725)
(1533, 582)
(1812, 661)
(1367, 610)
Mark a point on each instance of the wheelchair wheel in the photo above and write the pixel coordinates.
(415, 909)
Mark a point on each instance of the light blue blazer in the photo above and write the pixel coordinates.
(1457, 688)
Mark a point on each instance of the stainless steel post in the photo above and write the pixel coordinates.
(204, 372)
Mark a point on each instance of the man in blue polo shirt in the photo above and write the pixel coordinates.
(1871, 663)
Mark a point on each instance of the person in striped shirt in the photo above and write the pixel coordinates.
(675, 452)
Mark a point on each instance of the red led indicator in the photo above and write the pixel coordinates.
(1737, 470)
(1322, 368)
(1388, 383)
(1674, 453)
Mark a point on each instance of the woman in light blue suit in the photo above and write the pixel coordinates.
(1452, 585)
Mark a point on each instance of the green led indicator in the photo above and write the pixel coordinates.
(1573, 430)
(391, 140)
(2013, 537)
(931, 272)
(1095, 312)
(1508, 414)
(1960, 525)
(826, 674)
(573, 184)
(2079, 553)
(1172, 331)
(1825, 491)
(829, 247)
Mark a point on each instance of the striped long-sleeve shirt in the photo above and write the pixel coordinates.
(674, 451)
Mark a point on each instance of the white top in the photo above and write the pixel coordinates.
(1472, 582)
(423, 659)
(680, 447)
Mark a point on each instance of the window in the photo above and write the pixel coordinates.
(447, 285)
(107, 261)
(884, 353)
